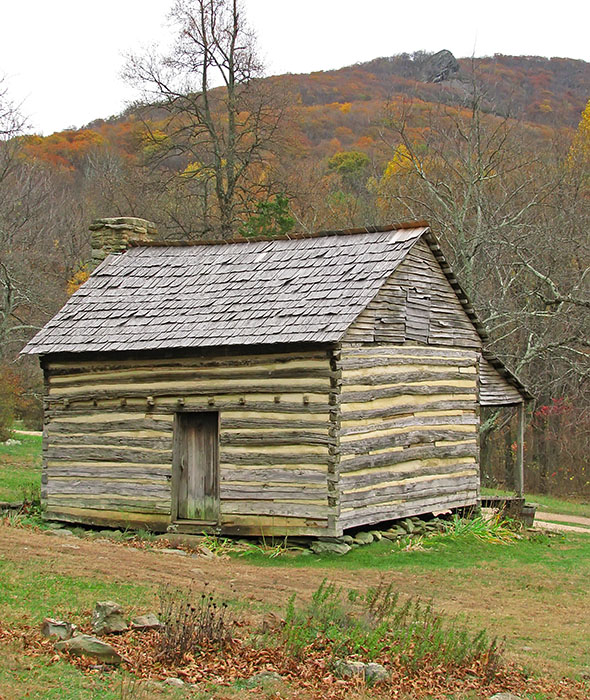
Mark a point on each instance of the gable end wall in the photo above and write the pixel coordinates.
(417, 303)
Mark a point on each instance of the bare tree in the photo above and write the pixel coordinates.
(40, 240)
(467, 172)
(12, 121)
(217, 139)
(513, 219)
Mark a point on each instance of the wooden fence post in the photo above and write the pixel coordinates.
(519, 466)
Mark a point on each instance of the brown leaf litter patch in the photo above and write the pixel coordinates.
(310, 676)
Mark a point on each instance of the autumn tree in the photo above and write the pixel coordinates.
(578, 160)
(465, 171)
(349, 202)
(220, 138)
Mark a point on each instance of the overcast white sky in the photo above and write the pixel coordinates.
(63, 57)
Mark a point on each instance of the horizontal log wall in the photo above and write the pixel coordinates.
(109, 438)
(409, 432)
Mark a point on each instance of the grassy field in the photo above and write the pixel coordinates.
(553, 554)
(20, 468)
(533, 592)
(31, 591)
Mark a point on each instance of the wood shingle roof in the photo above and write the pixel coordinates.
(264, 292)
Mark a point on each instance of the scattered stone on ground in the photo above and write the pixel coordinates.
(394, 535)
(108, 618)
(166, 550)
(263, 678)
(408, 525)
(371, 672)
(349, 669)
(146, 622)
(375, 673)
(364, 538)
(57, 628)
(61, 532)
(86, 645)
(413, 527)
(11, 505)
(329, 547)
(174, 682)
(505, 696)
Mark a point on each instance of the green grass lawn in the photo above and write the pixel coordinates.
(522, 590)
(32, 591)
(20, 468)
(43, 678)
(557, 553)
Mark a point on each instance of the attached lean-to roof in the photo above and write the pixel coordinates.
(308, 289)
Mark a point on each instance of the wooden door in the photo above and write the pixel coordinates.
(197, 466)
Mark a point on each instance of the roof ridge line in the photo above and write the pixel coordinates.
(138, 243)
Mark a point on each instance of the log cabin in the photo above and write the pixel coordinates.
(295, 386)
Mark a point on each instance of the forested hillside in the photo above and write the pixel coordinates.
(494, 152)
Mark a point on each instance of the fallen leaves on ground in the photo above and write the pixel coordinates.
(310, 676)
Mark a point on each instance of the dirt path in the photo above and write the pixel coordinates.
(570, 519)
(556, 522)
(560, 527)
(74, 556)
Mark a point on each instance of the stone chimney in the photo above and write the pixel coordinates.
(117, 234)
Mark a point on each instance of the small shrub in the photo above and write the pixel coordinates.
(31, 495)
(190, 623)
(218, 545)
(376, 622)
(327, 617)
(273, 548)
(498, 529)
(143, 535)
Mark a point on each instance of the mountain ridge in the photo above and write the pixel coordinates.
(337, 109)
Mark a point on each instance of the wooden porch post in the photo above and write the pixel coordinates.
(519, 466)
